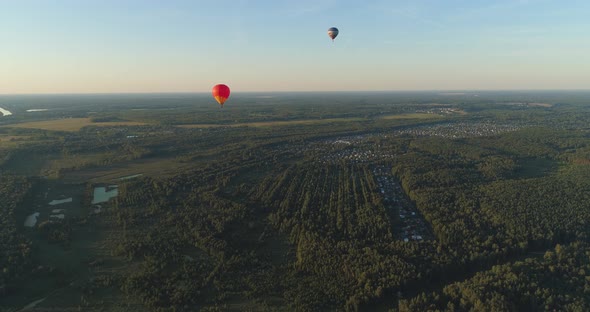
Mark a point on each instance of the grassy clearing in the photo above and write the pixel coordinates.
(536, 167)
(71, 124)
(540, 104)
(11, 138)
(76, 161)
(28, 164)
(49, 164)
(275, 123)
(154, 167)
(13, 141)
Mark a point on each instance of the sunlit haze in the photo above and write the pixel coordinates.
(188, 46)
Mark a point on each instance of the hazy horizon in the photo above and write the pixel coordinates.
(441, 91)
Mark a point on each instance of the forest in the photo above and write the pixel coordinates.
(297, 202)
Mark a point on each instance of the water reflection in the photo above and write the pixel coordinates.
(103, 194)
(60, 201)
(31, 220)
(5, 112)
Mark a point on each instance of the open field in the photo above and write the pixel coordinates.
(28, 164)
(412, 116)
(160, 167)
(535, 104)
(541, 104)
(275, 123)
(71, 124)
(10, 141)
(536, 167)
(10, 138)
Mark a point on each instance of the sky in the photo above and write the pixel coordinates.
(114, 46)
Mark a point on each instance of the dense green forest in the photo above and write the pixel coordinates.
(15, 251)
(329, 202)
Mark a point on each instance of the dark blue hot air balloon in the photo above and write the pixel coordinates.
(332, 32)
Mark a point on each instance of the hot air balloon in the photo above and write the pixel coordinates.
(333, 32)
(220, 93)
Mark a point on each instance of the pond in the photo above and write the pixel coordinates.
(5, 112)
(60, 201)
(104, 194)
(31, 220)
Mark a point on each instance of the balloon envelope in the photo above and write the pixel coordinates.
(332, 32)
(220, 93)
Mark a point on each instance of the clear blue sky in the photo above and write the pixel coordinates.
(63, 46)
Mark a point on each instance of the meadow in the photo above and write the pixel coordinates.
(277, 123)
(71, 124)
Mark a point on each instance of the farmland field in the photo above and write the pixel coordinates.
(277, 123)
(71, 124)
(412, 116)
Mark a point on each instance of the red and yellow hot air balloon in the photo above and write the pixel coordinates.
(220, 93)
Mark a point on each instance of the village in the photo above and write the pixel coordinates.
(443, 110)
(353, 155)
(353, 148)
(457, 130)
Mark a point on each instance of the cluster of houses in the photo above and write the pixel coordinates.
(441, 111)
(359, 149)
(459, 129)
(353, 155)
(410, 226)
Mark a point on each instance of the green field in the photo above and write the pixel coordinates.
(277, 123)
(71, 124)
(412, 116)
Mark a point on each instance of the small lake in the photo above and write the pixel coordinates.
(31, 220)
(60, 201)
(5, 112)
(103, 194)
